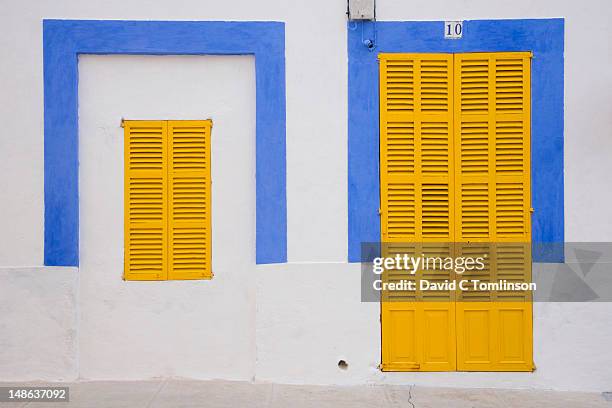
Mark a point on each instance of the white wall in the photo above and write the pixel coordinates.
(316, 126)
(177, 328)
(588, 102)
(316, 107)
(322, 321)
(287, 323)
(38, 323)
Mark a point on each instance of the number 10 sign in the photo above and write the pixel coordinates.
(453, 29)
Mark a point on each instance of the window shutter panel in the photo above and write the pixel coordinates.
(492, 120)
(416, 147)
(189, 233)
(145, 200)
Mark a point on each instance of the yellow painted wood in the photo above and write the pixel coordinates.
(167, 200)
(455, 180)
(493, 196)
(146, 208)
(416, 128)
(189, 234)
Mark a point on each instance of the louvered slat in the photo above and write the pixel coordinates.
(509, 147)
(510, 210)
(436, 210)
(435, 149)
(474, 86)
(474, 148)
(435, 85)
(145, 203)
(400, 148)
(400, 210)
(435, 254)
(416, 147)
(400, 86)
(393, 275)
(509, 85)
(189, 209)
(513, 261)
(475, 210)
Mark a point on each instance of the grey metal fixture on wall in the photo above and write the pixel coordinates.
(361, 9)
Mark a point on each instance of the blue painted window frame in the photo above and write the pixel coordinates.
(544, 37)
(64, 40)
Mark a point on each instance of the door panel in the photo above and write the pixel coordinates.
(417, 206)
(492, 196)
(420, 336)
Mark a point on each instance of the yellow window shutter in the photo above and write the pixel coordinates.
(416, 147)
(189, 232)
(145, 200)
(492, 147)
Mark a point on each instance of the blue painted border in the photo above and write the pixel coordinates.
(64, 40)
(544, 37)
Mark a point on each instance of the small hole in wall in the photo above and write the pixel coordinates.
(343, 365)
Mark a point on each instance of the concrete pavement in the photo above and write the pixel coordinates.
(221, 394)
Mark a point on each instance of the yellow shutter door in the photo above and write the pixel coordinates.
(455, 167)
(492, 195)
(189, 233)
(416, 152)
(145, 200)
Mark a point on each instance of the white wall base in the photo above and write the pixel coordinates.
(38, 324)
(304, 319)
